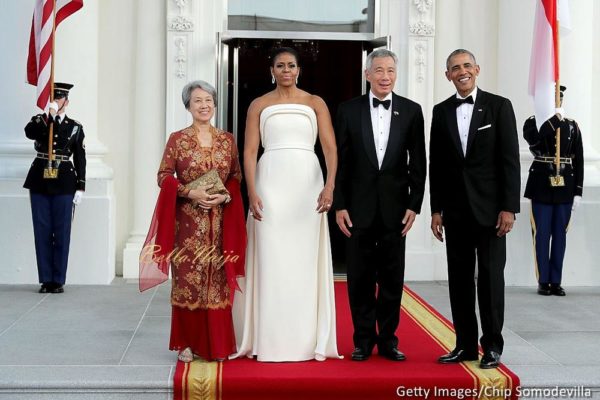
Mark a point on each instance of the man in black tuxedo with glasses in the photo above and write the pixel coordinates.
(379, 190)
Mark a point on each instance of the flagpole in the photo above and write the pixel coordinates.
(557, 180)
(50, 172)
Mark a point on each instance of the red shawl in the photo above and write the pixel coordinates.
(160, 241)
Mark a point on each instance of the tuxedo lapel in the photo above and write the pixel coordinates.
(394, 139)
(367, 131)
(477, 117)
(453, 125)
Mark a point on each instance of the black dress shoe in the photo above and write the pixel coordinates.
(544, 289)
(557, 290)
(456, 356)
(360, 354)
(392, 354)
(57, 289)
(490, 359)
(44, 289)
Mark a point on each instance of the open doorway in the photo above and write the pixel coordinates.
(331, 69)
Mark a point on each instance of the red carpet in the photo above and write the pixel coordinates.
(423, 334)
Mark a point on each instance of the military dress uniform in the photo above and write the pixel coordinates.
(551, 205)
(52, 199)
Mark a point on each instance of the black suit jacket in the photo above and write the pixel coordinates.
(485, 180)
(361, 187)
(68, 141)
(543, 143)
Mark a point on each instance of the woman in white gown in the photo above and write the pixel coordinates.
(286, 308)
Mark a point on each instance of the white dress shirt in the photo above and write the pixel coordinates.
(380, 120)
(464, 112)
(61, 116)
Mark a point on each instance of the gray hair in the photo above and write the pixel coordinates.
(457, 52)
(186, 93)
(380, 53)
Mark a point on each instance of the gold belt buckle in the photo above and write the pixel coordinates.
(51, 171)
(557, 180)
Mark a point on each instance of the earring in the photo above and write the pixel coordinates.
(272, 79)
(296, 80)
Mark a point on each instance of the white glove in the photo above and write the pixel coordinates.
(78, 197)
(576, 202)
(53, 107)
(561, 112)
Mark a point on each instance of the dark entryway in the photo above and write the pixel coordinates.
(332, 69)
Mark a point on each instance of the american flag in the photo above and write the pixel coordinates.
(39, 59)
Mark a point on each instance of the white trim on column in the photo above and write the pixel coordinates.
(419, 87)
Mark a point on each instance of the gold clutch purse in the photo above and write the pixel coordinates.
(211, 178)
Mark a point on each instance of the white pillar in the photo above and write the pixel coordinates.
(411, 26)
(192, 28)
(91, 259)
(578, 72)
(149, 124)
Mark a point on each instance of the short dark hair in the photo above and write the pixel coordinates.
(276, 52)
(457, 52)
(186, 93)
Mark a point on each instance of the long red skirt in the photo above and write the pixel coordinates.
(209, 333)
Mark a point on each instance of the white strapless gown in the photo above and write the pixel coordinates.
(286, 310)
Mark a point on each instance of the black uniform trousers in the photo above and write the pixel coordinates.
(52, 231)
(375, 264)
(469, 244)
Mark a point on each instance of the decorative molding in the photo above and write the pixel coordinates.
(421, 26)
(182, 22)
(181, 57)
(421, 60)
(422, 6)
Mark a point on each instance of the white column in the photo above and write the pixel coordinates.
(412, 28)
(578, 72)
(92, 252)
(149, 124)
(448, 38)
(192, 28)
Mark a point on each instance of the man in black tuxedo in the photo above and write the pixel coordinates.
(474, 176)
(379, 191)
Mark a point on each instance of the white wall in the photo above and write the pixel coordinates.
(116, 52)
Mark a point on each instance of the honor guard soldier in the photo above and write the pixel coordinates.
(554, 192)
(56, 182)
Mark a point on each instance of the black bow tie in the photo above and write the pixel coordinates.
(459, 102)
(384, 103)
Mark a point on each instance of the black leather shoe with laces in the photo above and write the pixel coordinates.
(360, 354)
(557, 290)
(544, 289)
(490, 359)
(456, 356)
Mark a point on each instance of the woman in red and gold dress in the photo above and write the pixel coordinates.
(208, 248)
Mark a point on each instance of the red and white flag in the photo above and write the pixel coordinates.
(544, 66)
(39, 59)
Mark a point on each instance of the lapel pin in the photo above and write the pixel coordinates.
(481, 109)
(395, 112)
